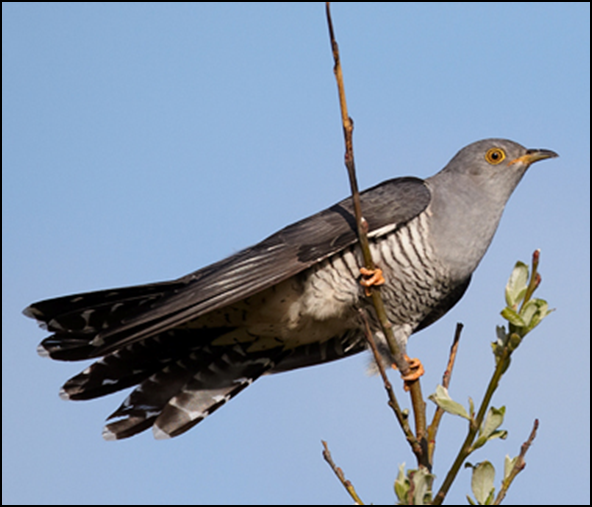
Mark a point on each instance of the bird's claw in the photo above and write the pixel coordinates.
(371, 277)
(416, 370)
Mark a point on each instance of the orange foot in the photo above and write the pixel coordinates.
(416, 370)
(371, 277)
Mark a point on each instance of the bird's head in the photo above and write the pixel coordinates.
(492, 166)
(496, 161)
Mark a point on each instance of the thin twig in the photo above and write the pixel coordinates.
(433, 427)
(362, 226)
(452, 357)
(518, 465)
(339, 473)
(466, 447)
(393, 403)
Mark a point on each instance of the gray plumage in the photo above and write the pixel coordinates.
(290, 301)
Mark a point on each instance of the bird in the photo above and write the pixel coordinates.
(293, 300)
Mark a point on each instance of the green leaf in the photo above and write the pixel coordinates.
(509, 465)
(402, 485)
(517, 284)
(446, 403)
(422, 481)
(482, 482)
(480, 442)
(512, 316)
(493, 420)
(503, 434)
(528, 312)
(541, 310)
(422, 486)
(487, 431)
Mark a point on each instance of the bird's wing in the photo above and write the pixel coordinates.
(100, 322)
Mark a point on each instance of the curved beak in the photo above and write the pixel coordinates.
(532, 156)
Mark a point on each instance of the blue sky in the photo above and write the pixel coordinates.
(143, 141)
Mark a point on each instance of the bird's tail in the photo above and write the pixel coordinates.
(186, 391)
(180, 377)
(76, 320)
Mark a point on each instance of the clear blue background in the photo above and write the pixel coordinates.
(143, 141)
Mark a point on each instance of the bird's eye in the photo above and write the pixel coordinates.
(495, 155)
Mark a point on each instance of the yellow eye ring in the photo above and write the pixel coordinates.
(495, 155)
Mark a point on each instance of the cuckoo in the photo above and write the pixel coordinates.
(293, 300)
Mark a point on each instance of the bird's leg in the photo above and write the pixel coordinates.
(371, 277)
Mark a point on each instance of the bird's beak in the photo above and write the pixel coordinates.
(533, 156)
